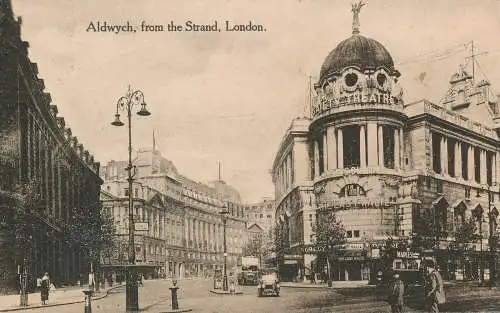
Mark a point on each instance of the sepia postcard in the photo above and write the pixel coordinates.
(249, 156)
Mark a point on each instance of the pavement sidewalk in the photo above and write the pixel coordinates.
(61, 296)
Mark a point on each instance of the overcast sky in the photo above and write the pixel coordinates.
(228, 96)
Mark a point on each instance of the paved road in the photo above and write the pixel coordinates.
(155, 298)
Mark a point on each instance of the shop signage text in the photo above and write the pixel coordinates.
(407, 254)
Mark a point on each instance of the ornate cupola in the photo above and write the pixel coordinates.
(358, 71)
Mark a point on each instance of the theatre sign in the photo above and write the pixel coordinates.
(324, 104)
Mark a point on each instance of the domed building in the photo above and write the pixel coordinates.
(409, 172)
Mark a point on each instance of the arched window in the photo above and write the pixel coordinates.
(352, 190)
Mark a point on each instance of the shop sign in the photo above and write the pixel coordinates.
(375, 253)
(310, 249)
(354, 246)
(141, 226)
(350, 258)
(292, 257)
(408, 254)
(290, 262)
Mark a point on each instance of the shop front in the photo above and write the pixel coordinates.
(350, 265)
(291, 267)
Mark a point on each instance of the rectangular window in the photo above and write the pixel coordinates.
(125, 192)
(321, 159)
(477, 164)
(439, 186)
(388, 139)
(356, 233)
(351, 146)
(451, 157)
(465, 161)
(436, 152)
(349, 234)
(489, 167)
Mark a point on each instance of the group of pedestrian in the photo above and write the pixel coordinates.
(433, 290)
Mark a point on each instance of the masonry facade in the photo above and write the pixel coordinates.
(184, 216)
(381, 163)
(40, 158)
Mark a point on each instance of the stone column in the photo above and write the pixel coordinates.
(401, 148)
(470, 164)
(316, 159)
(332, 148)
(482, 158)
(340, 148)
(397, 158)
(372, 144)
(362, 146)
(380, 146)
(444, 156)
(458, 159)
(325, 152)
(496, 162)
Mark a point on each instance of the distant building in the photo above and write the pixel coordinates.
(188, 214)
(383, 165)
(261, 214)
(39, 157)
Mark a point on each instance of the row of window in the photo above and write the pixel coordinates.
(451, 158)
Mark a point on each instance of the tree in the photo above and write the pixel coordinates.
(465, 237)
(90, 232)
(329, 233)
(431, 230)
(16, 226)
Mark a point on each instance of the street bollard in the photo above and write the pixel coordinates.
(173, 289)
(88, 300)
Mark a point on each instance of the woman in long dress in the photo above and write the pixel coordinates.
(44, 289)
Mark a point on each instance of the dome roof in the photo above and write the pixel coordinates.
(226, 191)
(357, 51)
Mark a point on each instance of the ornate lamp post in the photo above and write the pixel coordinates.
(224, 214)
(126, 103)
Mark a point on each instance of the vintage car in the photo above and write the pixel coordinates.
(268, 284)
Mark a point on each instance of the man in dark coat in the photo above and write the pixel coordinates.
(434, 291)
(396, 294)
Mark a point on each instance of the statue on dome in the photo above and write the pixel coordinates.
(356, 8)
(397, 91)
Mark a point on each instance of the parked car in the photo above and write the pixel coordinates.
(268, 284)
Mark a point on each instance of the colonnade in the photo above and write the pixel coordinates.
(471, 165)
(371, 146)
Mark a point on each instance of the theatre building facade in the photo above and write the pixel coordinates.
(381, 163)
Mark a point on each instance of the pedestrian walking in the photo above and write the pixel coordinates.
(434, 292)
(396, 294)
(44, 288)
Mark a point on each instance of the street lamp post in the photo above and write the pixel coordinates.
(126, 103)
(224, 213)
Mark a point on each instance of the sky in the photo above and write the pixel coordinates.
(230, 96)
